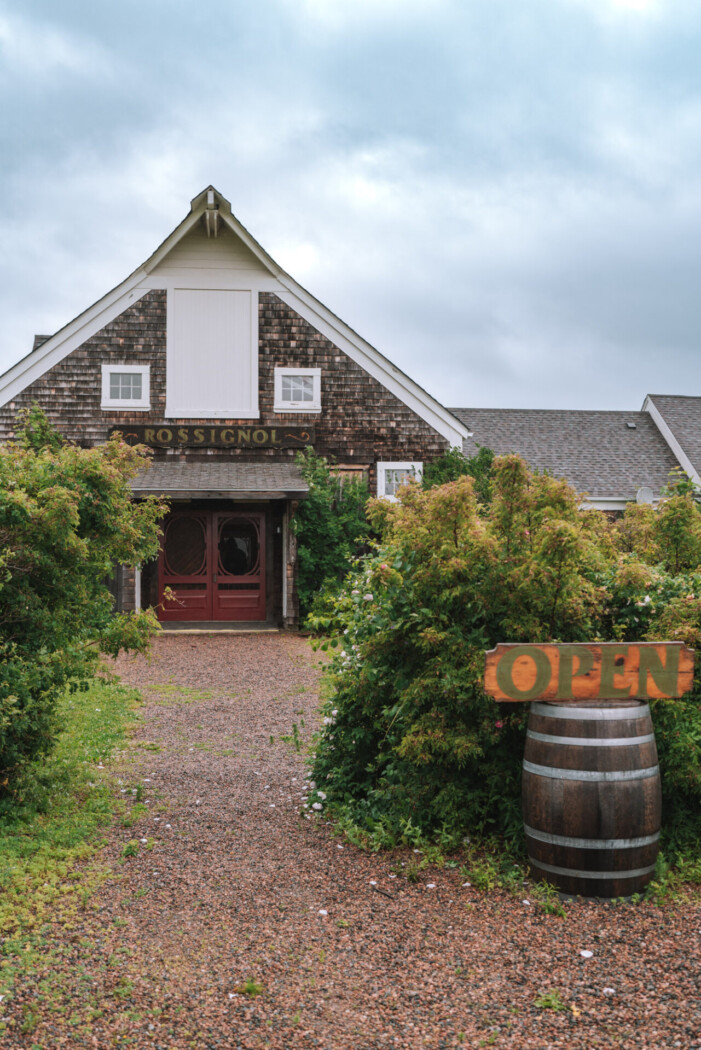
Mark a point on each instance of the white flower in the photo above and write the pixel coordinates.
(328, 721)
(334, 712)
(609, 991)
(312, 784)
(317, 805)
(367, 597)
(322, 795)
(586, 954)
(355, 592)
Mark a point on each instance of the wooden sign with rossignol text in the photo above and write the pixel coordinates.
(583, 671)
(161, 435)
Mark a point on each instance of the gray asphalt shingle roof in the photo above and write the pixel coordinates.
(263, 479)
(683, 417)
(598, 452)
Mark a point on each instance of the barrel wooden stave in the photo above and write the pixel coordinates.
(594, 836)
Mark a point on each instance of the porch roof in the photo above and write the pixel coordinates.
(231, 479)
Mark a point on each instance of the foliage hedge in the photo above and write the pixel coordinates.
(66, 519)
(410, 740)
(330, 525)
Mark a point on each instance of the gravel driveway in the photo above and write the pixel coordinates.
(241, 894)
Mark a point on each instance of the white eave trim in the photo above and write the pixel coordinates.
(373, 362)
(70, 337)
(606, 502)
(664, 429)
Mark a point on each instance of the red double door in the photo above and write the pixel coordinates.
(213, 563)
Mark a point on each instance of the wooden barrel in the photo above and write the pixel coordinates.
(592, 796)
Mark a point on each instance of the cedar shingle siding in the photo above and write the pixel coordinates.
(360, 420)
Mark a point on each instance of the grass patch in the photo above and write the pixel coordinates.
(52, 827)
(167, 693)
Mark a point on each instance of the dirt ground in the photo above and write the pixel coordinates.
(241, 923)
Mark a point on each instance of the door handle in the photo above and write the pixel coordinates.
(214, 578)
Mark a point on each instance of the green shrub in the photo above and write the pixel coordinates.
(409, 732)
(66, 518)
(410, 739)
(453, 464)
(330, 525)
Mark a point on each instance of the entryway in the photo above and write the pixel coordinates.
(213, 563)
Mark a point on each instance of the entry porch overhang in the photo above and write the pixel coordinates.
(232, 479)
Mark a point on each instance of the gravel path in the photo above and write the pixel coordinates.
(238, 887)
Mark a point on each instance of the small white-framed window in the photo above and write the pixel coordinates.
(391, 477)
(297, 390)
(126, 386)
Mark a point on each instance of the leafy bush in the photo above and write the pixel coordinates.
(453, 464)
(410, 734)
(330, 525)
(410, 741)
(66, 518)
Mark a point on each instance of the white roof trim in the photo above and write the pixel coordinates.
(605, 502)
(69, 338)
(664, 429)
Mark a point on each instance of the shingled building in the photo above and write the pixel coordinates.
(218, 360)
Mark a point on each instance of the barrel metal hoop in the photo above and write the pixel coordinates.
(575, 843)
(554, 773)
(589, 714)
(554, 870)
(585, 741)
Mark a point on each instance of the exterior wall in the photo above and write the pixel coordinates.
(360, 421)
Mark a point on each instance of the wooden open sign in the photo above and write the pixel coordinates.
(583, 671)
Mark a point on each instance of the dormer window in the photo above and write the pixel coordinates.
(297, 390)
(126, 386)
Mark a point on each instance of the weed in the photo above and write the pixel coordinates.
(548, 900)
(131, 849)
(135, 813)
(551, 1000)
(250, 987)
(30, 1020)
(124, 988)
(296, 1017)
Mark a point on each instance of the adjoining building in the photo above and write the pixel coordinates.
(218, 360)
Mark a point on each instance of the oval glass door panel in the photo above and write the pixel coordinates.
(239, 580)
(239, 548)
(185, 547)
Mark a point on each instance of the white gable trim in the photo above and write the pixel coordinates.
(69, 338)
(664, 429)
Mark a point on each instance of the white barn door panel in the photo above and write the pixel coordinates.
(212, 354)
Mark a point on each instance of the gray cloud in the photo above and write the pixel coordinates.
(503, 198)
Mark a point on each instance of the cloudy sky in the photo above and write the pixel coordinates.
(503, 196)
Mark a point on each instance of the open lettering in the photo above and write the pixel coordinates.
(609, 671)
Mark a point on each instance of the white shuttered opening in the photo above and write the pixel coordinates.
(212, 354)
